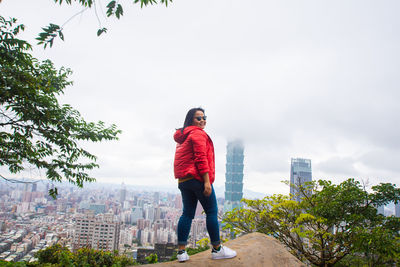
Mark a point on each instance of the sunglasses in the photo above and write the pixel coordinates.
(200, 117)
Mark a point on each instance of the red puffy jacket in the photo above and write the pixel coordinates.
(194, 154)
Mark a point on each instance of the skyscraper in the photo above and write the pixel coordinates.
(122, 196)
(233, 175)
(300, 172)
(156, 198)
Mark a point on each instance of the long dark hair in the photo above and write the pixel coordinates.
(189, 117)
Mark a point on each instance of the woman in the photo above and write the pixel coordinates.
(194, 168)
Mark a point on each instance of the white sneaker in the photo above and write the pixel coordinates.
(223, 253)
(183, 257)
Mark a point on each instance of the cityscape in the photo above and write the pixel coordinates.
(103, 217)
(137, 223)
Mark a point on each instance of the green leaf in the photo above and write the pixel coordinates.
(110, 8)
(119, 12)
(61, 35)
(100, 31)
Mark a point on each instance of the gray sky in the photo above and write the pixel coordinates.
(311, 79)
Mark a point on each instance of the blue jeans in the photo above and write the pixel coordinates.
(192, 190)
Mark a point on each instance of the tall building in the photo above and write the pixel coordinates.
(29, 192)
(397, 210)
(100, 232)
(234, 175)
(149, 212)
(137, 213)
(122, 196)
(300, 172)
(156, 198)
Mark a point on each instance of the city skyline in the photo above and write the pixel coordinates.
(100, 218)
(138, 223)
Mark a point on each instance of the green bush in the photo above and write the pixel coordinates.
(4, 263)
(333, 225)
(152, 258)
(58, 256)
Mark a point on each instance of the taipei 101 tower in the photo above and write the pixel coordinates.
(234, 175)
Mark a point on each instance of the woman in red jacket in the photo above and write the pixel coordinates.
(194, 167)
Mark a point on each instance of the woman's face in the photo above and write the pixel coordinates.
(200, 123)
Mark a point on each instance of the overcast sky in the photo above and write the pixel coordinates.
(311, 79)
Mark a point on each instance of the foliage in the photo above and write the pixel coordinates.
(53, 254)
(333, 222)
(35, 130)
(4, 263)
(152, 258)
(113, 9)
(202, 245)
(61, 256)
(361, 261)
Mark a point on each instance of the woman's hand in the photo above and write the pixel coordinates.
(207, 189)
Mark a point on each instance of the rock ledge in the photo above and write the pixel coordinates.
(253, 250)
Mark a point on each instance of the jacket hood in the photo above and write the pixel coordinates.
(180, 137)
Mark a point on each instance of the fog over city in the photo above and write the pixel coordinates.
(310, 79)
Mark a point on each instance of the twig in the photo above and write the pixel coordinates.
(15, 181)
(80, 12)
(95, 11)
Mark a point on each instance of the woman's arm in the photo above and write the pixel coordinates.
(207, 185)
(199, 142)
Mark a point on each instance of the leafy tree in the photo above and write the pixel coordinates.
(334, 222)
(35, 130)
(113, 9)
(53, 254)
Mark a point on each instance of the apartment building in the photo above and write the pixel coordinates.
(100, 232)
